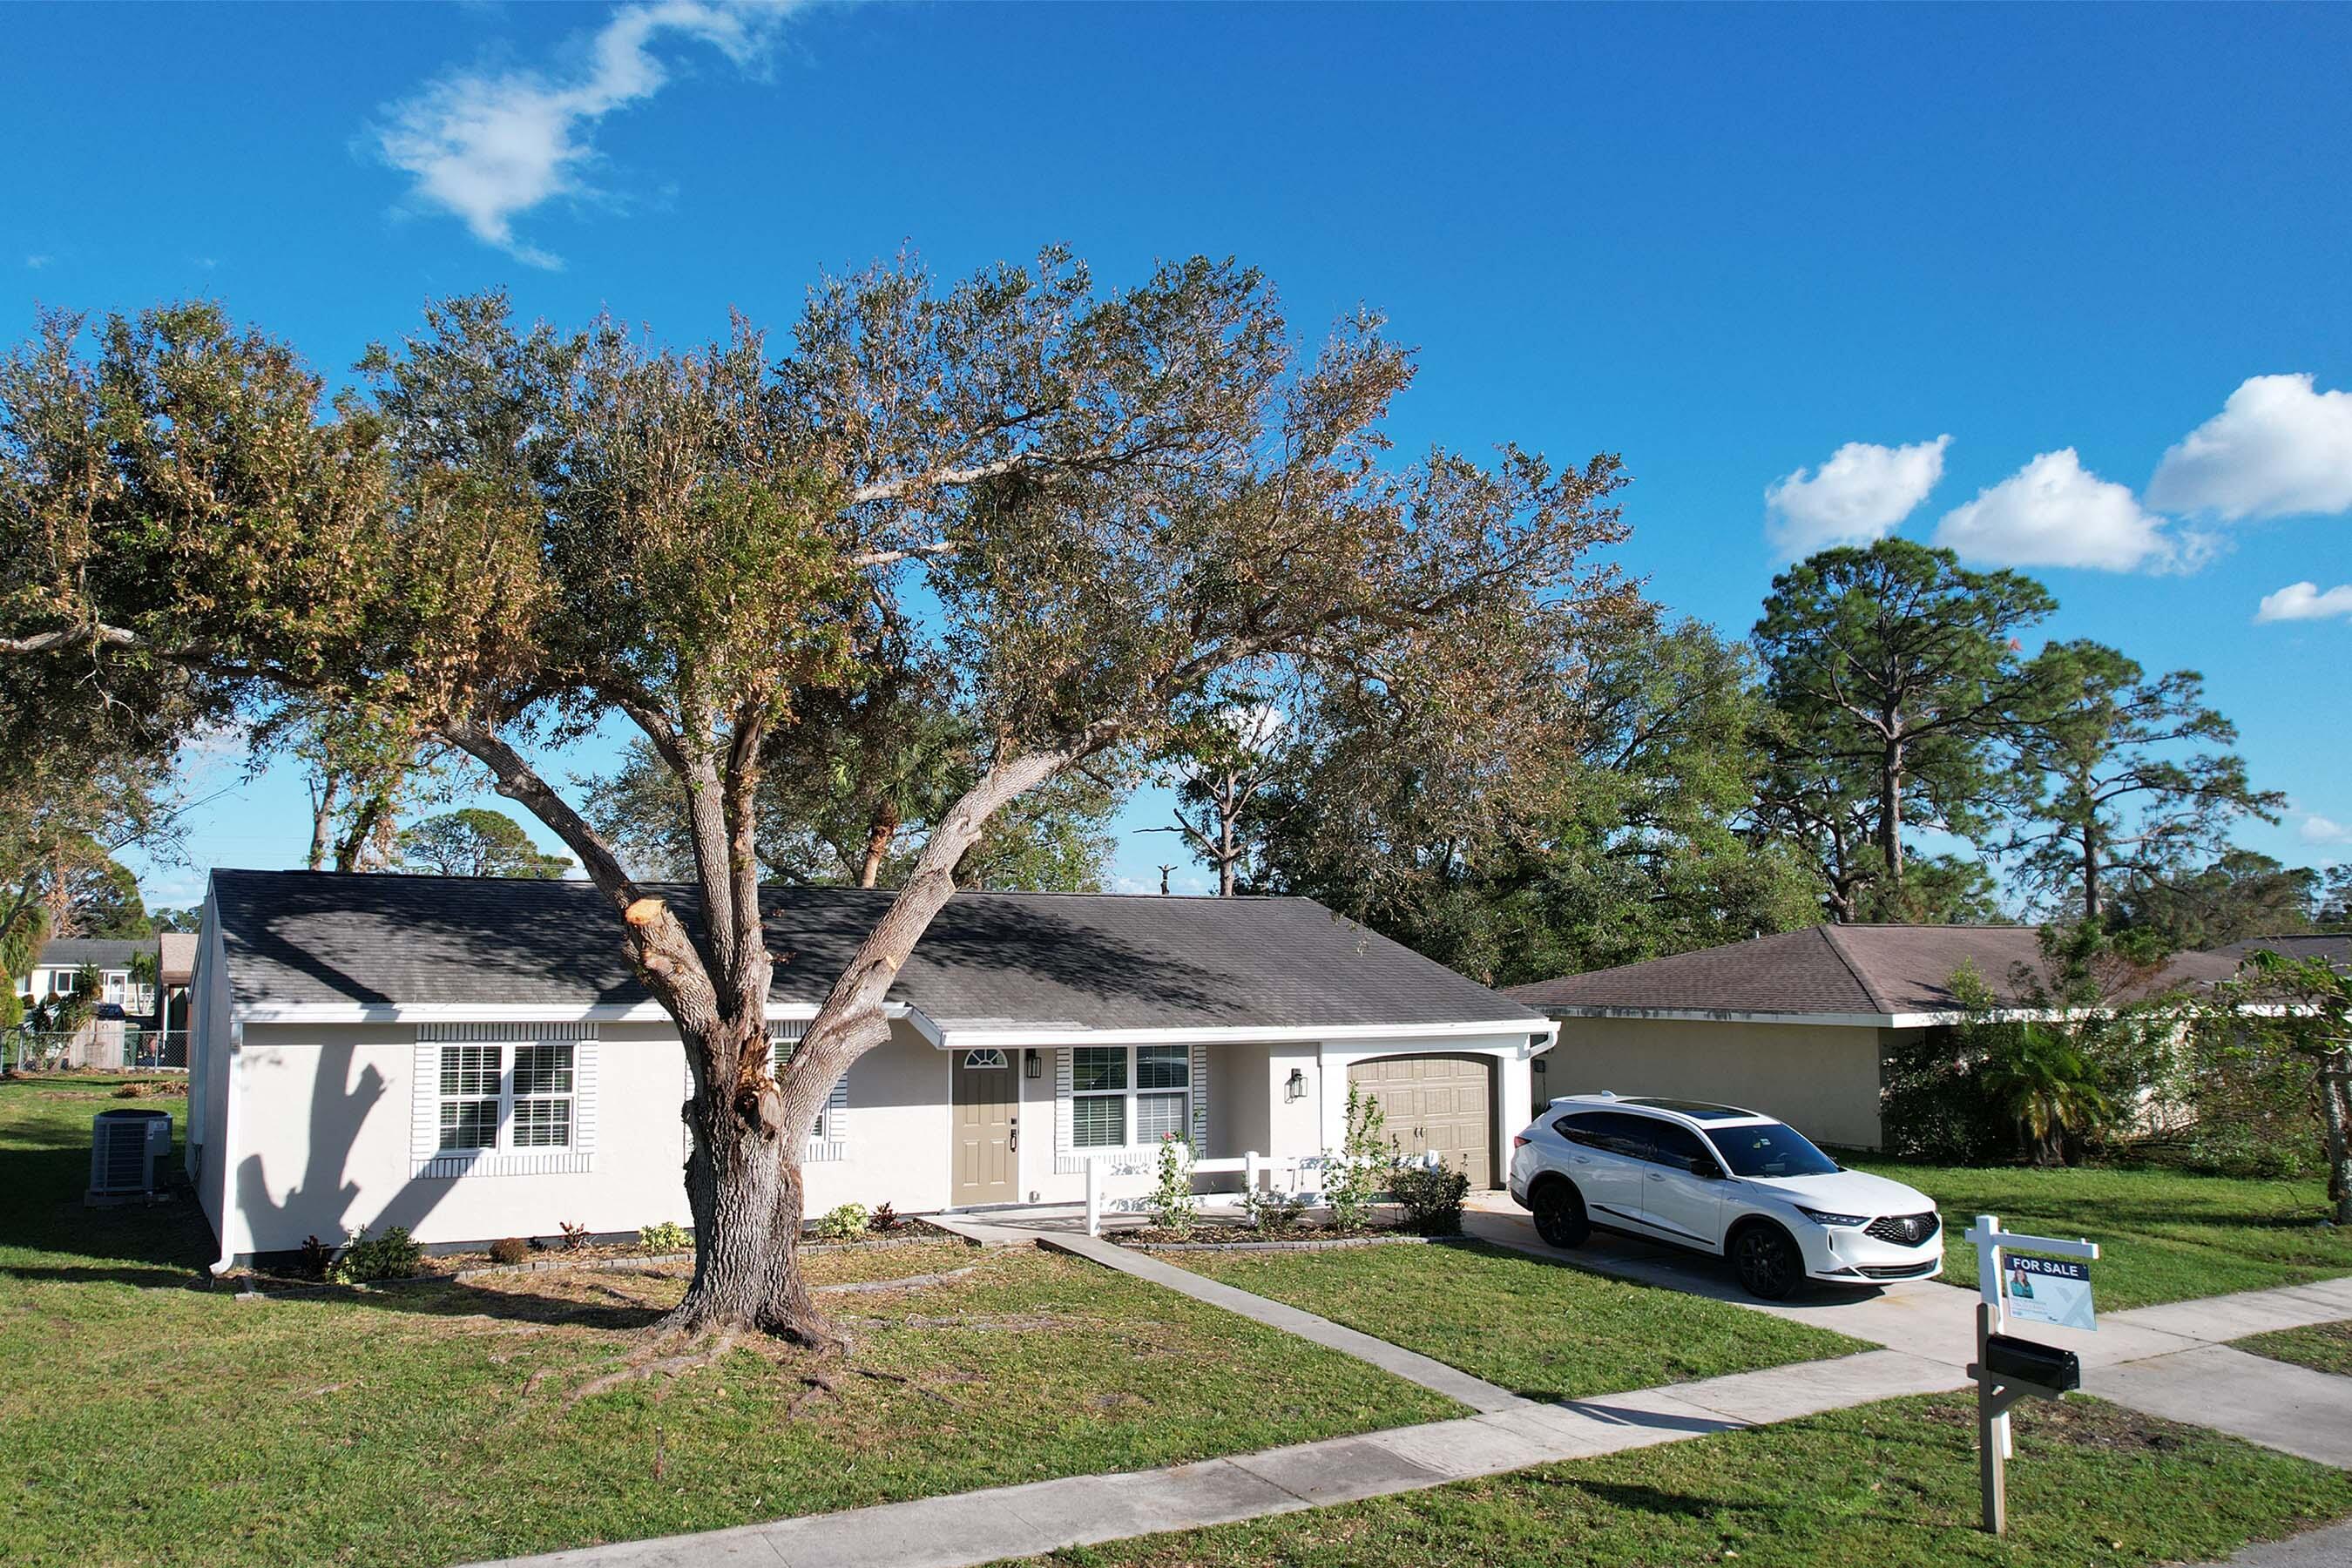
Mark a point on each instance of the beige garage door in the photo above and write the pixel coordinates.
(1445, 1103)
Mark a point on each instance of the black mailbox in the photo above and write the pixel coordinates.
(2022, 1361)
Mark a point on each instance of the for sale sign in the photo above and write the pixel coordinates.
(2048, 1290)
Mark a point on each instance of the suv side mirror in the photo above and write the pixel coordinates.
(1701, 1165)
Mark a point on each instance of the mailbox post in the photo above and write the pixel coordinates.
(2007, 1370)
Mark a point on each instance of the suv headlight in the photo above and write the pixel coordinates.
(1822, 1216)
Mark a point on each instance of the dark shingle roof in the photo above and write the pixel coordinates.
(1851, 969)
(2336, 948)
(99, 952)
(1089, 960)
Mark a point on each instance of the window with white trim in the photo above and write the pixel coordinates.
(1123, 1096)
(506, 1097)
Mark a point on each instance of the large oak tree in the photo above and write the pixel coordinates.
(1099, 508)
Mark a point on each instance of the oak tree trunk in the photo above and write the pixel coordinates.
(745, 1192)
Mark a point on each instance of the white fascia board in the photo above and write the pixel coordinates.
(508, 1012)
(969, 1038)
(1727, 1016)
(1840, 1020)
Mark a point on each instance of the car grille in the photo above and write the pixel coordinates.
(1903, 1229)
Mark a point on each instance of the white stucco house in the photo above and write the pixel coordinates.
(473, 1058)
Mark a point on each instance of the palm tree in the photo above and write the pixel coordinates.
(2042, 1083)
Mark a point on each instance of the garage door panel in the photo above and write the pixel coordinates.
(1443, 1104)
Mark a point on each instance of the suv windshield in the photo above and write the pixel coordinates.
(1769, 1150)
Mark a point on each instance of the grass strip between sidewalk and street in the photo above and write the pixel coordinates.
(1893, 1485)
(2322, 1347)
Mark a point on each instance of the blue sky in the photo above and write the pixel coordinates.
(1746, 248)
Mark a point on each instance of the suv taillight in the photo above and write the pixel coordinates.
(1520, 1140)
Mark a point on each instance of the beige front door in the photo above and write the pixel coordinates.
(1440, 1103)
(987, 1112)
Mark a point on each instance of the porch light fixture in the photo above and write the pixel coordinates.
(1295, 1086)
(1032, 1063)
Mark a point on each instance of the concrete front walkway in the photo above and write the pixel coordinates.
(2171, 1360)
(977, 1527)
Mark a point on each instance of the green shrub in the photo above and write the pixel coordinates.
(510, 1249)
(1431, 1196)
(1356, 1178)
(394, 1255)
(575, 1236)
(665, 1237)
(846, 1223)
(1175, 1209)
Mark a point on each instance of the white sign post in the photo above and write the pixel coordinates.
(2046, 1292)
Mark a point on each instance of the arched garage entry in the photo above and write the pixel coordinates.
(1436, 1101)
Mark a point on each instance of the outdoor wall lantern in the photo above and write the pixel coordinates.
(1295, 1086)
(1032, 1063)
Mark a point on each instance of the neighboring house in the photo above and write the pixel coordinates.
(1798, 1024)
(474, 1058)
(61, 961)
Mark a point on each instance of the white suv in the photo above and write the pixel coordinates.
(1719, 1180)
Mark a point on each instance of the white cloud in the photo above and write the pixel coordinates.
(489, 148)
(2278, 448)
(36, 262)
(2305, 602)
(2055, 513)
(1858, 496)
(2317, 830)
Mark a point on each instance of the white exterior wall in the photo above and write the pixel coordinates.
(302, 1130)
(896, 1131)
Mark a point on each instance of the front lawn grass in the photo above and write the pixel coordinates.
(2163, 1234)
(1892, 1485)
(2322, 1347)
(147, 1419)
(1540, 1329)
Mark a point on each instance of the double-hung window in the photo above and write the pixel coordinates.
(511, 1097)
(1129, 1096)
(504, 1100)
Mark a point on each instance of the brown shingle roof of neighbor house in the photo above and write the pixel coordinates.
(1854, 972)
(1063, 960)
(176, 963)
(2336, 948)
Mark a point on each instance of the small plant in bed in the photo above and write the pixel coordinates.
(509, 1250)
(664, 1237)
(1273, 1215)
(846, 1223)
(394, 1255)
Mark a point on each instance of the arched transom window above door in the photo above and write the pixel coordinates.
(987, 1058)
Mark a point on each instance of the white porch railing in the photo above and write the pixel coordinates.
(1296, 1174)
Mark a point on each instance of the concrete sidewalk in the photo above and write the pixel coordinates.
(970, 1528)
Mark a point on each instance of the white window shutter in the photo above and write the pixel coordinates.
(1199, 1100)
(1065, 1156)
(584, 1092)
(425, 1099)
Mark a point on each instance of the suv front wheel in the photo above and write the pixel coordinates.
(1767, 1261)
(1558, 1210)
